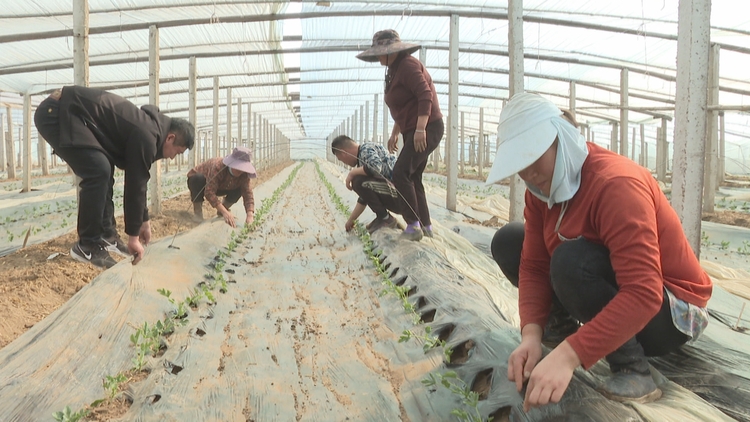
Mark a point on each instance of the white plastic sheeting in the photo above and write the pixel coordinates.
(242, 43)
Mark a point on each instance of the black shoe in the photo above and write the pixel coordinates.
(559, 326)
(116, 245)
(379, 223)
(95, 255)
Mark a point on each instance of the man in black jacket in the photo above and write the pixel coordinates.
(94, 131)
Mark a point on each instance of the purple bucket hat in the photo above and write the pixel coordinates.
(241, 159)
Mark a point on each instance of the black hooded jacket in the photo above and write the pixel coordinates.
(131, 137)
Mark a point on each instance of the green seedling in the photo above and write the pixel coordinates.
(112, 384)
(470, 399)
(68, 415)
(724, 245)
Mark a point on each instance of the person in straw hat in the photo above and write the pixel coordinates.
(229, 177)
(602, 246)
(413, 103)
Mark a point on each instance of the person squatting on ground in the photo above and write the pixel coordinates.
(413, 103)
(370, 179)
(94, 131)
(229, 177)
(601, 246)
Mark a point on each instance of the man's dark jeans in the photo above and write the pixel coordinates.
(583, 280)
(96, 211)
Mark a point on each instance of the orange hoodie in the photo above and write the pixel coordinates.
(618, 205)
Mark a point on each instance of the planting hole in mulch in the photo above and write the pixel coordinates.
(199, 332)
(421, 303)
(401, 280)
(482, 383)
(411, 291)
(462, 352)
(445, 332)
(428, 316)
(153, 399)
(172, 368)
(229, 271)
(393, 273)
(502, 414)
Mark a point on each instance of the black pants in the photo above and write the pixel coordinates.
(407, 174)
(378, 194)
(584, 282)
(197, 185)
(96, 211)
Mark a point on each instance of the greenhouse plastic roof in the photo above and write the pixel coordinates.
(294, 61)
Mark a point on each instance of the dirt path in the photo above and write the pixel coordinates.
(300, 336)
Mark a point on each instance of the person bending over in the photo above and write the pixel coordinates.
(94, 131)
(601, 246)
(228, 177)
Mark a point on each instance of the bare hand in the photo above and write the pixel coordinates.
(551, 377)
(229, 218)
(136, 249)
(144, 234)
(523, 360)
(420, 141)
(393, 144)
(249, 218)
(349, 225)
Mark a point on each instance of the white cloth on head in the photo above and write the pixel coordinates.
(571, 154)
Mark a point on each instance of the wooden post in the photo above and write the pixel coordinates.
(515, 56)
(153, 99)
(26, 138)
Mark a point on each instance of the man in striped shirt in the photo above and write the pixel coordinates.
(370, 179)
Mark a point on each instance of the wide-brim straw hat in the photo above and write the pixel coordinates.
(384, 43)
(524, 134)
(241, 159)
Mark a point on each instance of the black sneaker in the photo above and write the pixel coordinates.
(95, 255)
(116, 245)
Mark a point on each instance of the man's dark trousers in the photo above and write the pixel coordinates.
(96, 211)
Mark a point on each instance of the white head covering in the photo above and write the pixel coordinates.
(528, 126)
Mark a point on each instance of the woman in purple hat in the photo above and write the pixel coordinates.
(412, 100)
(229, 177)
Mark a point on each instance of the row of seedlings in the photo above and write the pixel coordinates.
(150, 340)
(447, 379)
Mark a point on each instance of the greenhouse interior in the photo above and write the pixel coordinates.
(304, 312)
